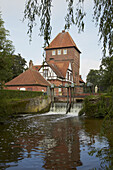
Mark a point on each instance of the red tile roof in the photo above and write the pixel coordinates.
(80, 79)
(62, 66)
(62, 40)
(29, 77)
(56, 70)
(36, 67)
(59, 67)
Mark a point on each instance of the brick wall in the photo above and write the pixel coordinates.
(28, 88)
(72, 55)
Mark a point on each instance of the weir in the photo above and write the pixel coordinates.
(65, 98)
(61, 108)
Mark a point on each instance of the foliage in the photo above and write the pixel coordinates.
(6, 50)
(11, 94)
(43, 11)
(103, 77)
(106, 69)
(18, 65)
(93, 77)
(103, 14)
(97, 106)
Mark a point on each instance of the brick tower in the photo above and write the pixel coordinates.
(63, 48)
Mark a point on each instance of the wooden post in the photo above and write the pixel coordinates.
(70, 89)
(67, 96)
(72, 93)
(52, 95)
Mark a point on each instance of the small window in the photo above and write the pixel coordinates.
(70, 77)
(29, 89)
(23, 89)
(53, 52)
(51, 58)
(45, 73)
(65, 51)
(60, 89)
(59, 52)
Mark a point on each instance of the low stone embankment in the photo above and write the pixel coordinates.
(38, 104)
(13, 103)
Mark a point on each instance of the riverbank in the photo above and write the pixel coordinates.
(98, 106)
(14, 102)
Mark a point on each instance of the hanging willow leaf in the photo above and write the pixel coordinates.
(103, 17)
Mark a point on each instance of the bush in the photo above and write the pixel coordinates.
(9, 94)
(97, 106)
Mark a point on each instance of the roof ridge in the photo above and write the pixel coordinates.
(72, 40)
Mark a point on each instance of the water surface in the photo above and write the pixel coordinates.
(54, 141)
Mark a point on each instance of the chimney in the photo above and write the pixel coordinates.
(63, 31)
(30, 64)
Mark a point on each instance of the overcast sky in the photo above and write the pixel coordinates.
(87, 42)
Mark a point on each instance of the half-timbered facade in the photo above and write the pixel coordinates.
(51, 71)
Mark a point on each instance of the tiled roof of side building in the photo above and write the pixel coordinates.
(62, 40)
(36, 67)
(29, 77)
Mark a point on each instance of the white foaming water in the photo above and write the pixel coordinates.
(59, 109)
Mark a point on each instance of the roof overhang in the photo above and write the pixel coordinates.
(51, 48)
(14, 85)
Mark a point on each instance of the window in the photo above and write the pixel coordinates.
(51, 58)
(23, 89)
(65, 51)
(59, 52)
(45, 73)
(53, 52)
(29, 89)
(70, 77)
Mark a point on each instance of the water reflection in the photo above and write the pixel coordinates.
(53, 142)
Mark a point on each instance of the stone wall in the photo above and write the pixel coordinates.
(40, 104)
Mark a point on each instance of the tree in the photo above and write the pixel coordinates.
(94, 77)
(6, 50)
(106, 69)
(103, 14)
(18, 65)
(103, 77)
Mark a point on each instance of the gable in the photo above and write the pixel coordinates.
(47, 72)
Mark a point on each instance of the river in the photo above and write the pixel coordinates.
(55, 140)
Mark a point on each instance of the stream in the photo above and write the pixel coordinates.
(55, 140)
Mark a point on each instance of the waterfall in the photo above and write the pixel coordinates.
(60, 108)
